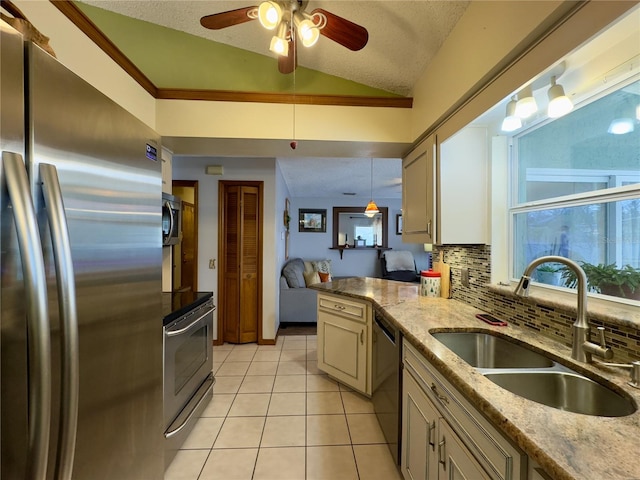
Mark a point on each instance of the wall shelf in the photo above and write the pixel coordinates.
(345, 248)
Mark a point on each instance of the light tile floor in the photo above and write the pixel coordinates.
(275, 416)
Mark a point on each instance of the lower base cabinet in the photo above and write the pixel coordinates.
(443, 436)
(431, 449)
(344, 340)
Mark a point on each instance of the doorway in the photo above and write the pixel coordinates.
(240, 206)
(185, 254)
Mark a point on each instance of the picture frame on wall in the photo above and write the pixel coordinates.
(399, 224)
(312, 220)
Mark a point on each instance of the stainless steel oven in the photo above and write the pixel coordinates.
(386, 381)
(188, 378)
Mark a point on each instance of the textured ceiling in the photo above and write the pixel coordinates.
(403, 37)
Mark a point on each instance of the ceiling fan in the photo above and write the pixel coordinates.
(288, 17)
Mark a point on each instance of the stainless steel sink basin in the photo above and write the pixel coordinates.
(534, 376)
(482, 350)
(565, 391)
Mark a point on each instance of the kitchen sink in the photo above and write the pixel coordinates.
(535, 376)
(482, 350)
(568, 391)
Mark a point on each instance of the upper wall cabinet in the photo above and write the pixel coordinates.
(462, 192)
(445, 190)
(418, 205)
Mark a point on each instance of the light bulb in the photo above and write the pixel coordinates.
(526, 104)
(269, 14)
(308, 31)
(559, 103)
(511, 121)
(279, 46)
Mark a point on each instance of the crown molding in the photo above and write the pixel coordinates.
(80, 20)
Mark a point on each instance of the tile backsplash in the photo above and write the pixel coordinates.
(550, 322)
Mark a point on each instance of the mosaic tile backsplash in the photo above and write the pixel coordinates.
(550, 322)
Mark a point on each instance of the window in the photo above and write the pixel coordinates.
(576, 190)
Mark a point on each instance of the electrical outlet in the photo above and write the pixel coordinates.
(212, 263)
(464, 276)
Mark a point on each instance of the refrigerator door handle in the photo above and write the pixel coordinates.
(35, 284)
(67, 304)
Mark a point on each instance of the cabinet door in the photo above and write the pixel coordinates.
(419, 423)
(455, 462)
(462, 207)
(418, 193)
(342, 349)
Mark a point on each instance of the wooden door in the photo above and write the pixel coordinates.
(241, 249)
(188, 272)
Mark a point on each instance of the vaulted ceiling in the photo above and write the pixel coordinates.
(166, 41)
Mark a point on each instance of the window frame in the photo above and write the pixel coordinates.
(614, 192)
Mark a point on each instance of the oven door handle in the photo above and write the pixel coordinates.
(173, 333)
(175, 431)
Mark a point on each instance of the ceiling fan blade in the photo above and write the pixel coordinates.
(289, 63)
(221, 20)
(342, 31)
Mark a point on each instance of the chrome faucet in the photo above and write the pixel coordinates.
(582, 348)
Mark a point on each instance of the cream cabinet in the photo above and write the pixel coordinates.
(443, 436)
(445, 190)
(344, 340)
(418, 193)
(431, 449)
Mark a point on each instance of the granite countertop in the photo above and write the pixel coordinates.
(566, 445)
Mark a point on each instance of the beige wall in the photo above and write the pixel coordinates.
(74, 49)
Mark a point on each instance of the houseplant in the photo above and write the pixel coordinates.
(549, 273)
(607, 279)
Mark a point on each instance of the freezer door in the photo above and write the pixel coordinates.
(111, 188)
(13, 328)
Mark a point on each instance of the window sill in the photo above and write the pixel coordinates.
(608, 311)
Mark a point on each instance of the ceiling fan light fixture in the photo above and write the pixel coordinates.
(269, 14)
(559, 103)
(279, 42)
(308, 31)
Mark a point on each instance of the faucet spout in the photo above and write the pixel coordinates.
(581, 345)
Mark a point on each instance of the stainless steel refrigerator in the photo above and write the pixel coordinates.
(80, 284)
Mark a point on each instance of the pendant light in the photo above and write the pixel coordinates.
(372, 208)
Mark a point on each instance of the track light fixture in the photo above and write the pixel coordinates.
(559, 103)
(526, 105)
(511, 121)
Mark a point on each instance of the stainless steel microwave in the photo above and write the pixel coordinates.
(171, 219)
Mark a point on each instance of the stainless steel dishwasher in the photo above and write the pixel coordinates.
(386, 381)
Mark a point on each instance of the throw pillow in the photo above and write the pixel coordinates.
(292, 271)
(324, 277)
(323, 266)
(311, 277)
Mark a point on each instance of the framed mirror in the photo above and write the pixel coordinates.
(353, 228)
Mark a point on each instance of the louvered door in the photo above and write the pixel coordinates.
(241, 265)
